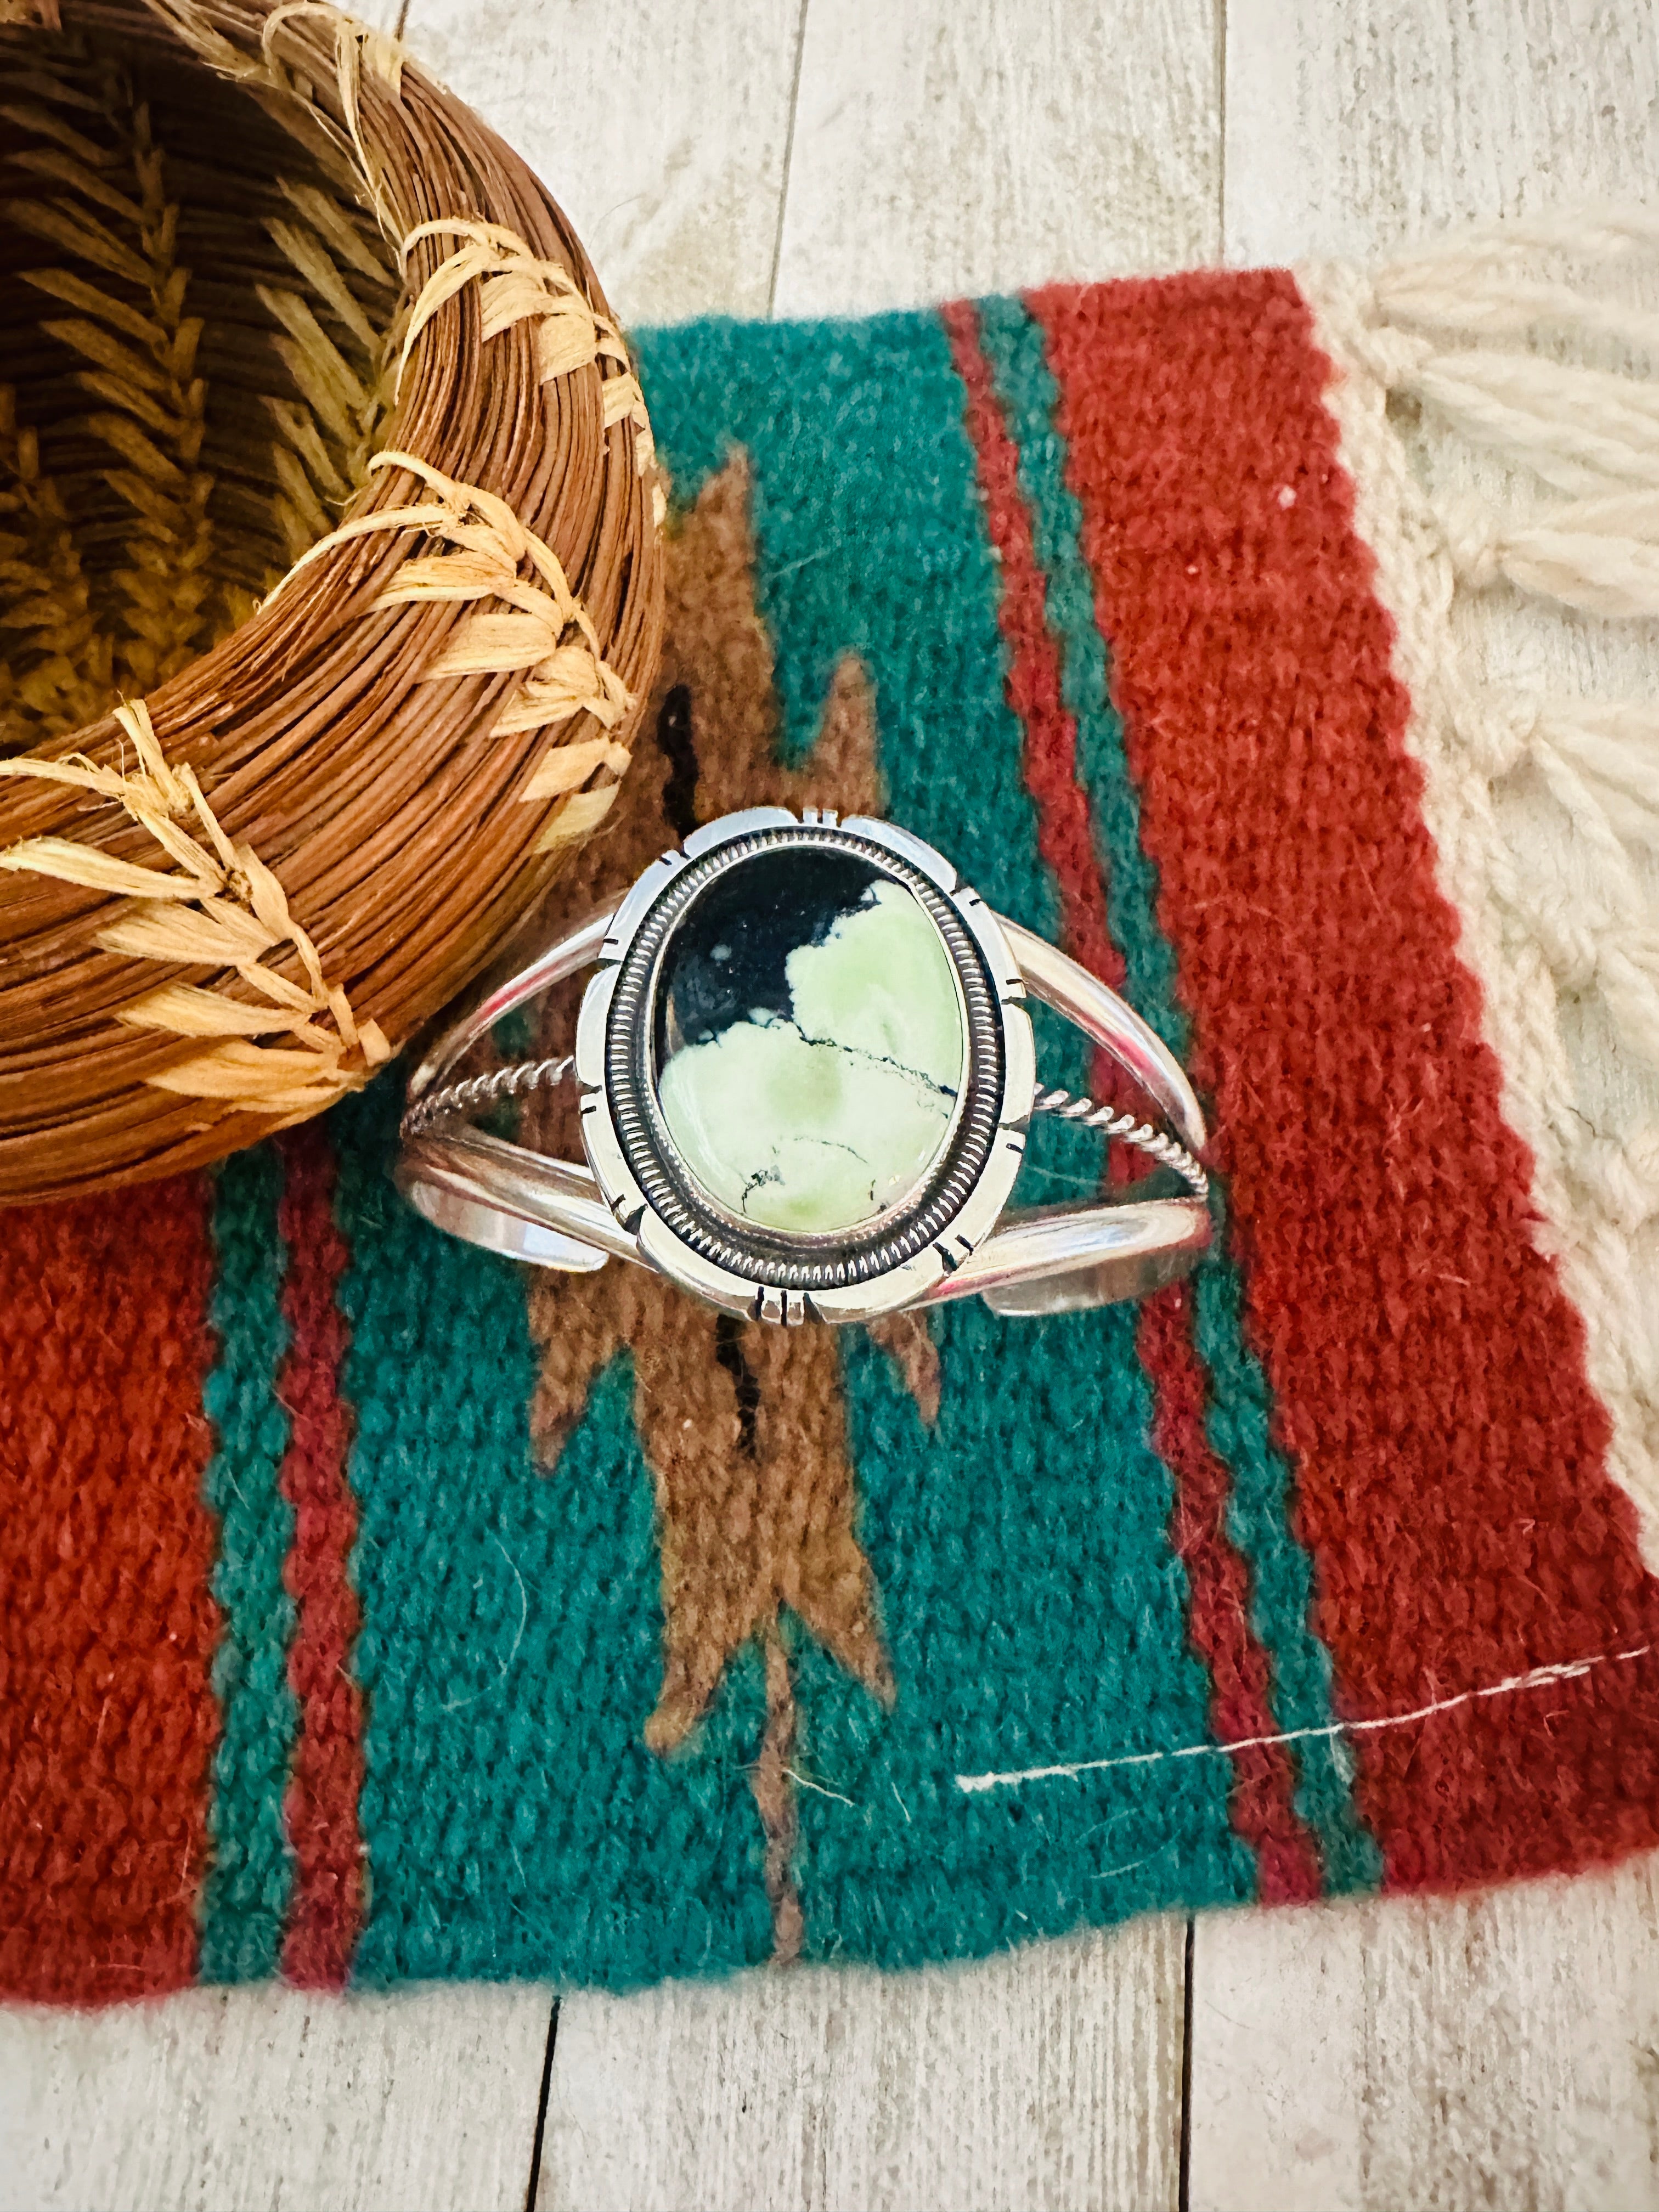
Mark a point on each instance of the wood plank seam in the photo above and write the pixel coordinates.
(788, 159)
(533, 2186)
(1184, 2159)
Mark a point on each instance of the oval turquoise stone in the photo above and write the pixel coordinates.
(809, 1039)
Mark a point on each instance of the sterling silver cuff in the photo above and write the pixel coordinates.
(806, 1075)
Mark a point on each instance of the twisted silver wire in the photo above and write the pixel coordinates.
(512, 1081)
(484, 1091)
(1088, 1115)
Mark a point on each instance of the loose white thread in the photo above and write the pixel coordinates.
(1535, 1678)
(455, 1704)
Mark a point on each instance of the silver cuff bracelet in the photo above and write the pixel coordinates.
(805, 1076)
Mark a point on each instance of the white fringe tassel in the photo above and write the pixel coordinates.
(1598, 556)
(1598, 763)
(1449, 329)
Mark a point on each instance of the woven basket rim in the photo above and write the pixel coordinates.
(379, 768)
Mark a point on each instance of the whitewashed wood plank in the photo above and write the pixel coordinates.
(1501, 2050)
(271, 2100)
(1350, 129)
(1048, 2079)
(945, 147)
(659, 131)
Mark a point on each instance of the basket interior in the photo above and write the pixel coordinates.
(197, 341)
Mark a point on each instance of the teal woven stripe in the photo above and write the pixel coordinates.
(515, 1823)
(245, 1899)
(1240, 1408)
(1013, 344)
(1034, 1608)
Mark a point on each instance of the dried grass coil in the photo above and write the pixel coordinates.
(330, 579)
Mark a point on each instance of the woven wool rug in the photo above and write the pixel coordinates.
(376, 1610)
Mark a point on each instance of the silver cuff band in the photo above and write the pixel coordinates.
(630, 1201)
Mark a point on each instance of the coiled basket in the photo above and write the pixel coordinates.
(330, 583)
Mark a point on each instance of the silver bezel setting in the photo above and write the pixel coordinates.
(744, 1269)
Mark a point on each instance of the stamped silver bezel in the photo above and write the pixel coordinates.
(888, 1264)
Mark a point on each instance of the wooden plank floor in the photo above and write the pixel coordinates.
(808, 157)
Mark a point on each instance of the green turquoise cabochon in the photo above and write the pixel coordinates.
(813, 1044)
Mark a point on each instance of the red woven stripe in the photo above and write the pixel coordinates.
(108, 1625)
(1064, 837)
(1428, 1372)
(324, 1796)
(1262, 1807)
